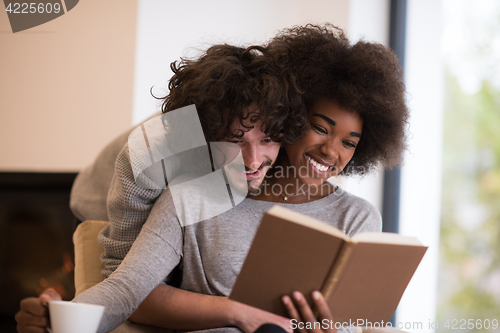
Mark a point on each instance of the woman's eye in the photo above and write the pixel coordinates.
(267, 140)
(320, 129)
(235, 141)
(350, 144)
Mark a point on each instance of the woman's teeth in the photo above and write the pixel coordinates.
(316, 164)
(251, 172)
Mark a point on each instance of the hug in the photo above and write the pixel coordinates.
(308, 101)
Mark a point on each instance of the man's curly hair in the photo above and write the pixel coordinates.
(364, 78)
(225, 81)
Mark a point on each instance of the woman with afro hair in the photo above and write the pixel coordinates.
(354, 104)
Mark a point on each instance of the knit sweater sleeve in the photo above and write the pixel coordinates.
(90, 189)
(128, 208)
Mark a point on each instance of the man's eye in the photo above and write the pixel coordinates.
(235, 141)
(267, 140)
(320, 129)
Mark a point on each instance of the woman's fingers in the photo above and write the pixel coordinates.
(324, 312)
(294, 314)
(301, 314)
(292, 311)
(305, 310)
(321, 306)
(303, 317)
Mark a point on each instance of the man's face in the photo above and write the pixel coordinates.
(259, 153)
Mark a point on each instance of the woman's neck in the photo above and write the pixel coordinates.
(282, 185)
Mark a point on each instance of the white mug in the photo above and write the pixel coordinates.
(68, 317)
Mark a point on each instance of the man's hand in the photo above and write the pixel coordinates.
(299, 310)
(34, 314)
(249, 319)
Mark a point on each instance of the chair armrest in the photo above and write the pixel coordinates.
(88, 265)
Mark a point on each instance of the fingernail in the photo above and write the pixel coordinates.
(284, 299)
(296, 295)
(316, 295)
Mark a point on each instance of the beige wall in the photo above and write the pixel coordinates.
(66, 86)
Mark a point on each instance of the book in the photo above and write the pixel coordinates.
(362, 278)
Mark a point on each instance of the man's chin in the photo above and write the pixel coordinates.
(254, 187)
(253, 191)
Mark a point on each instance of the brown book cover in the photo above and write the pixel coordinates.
(363, 277)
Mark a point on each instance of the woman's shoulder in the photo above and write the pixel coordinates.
(358, 214)
(347, 198)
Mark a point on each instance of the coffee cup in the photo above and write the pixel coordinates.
(69, 317)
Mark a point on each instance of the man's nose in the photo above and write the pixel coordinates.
(251, 156)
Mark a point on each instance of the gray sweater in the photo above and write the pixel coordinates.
(106, 190)
(210, 252)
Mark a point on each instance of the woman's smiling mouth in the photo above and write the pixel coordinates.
(317, 166)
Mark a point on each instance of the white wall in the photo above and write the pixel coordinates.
(421, 174)
(368, 20)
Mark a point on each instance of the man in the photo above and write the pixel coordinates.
(241, 98)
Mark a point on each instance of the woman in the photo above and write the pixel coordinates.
(356, 120)
(361, 83)
(356, 114)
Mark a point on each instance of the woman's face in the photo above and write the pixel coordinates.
(329, 144)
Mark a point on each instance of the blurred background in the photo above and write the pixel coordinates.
(71, 85)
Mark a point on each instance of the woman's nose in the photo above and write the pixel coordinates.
(330, 150)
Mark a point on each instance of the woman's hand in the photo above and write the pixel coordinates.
(303, 319)
(248, 318)
(33, 317)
